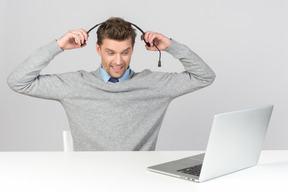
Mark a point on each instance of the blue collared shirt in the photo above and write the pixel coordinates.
(105, 76)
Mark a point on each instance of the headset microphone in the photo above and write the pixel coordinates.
(147, 43)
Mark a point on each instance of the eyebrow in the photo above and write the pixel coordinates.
(107, 50)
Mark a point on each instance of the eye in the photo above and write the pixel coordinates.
(125, 53)
(110, 53)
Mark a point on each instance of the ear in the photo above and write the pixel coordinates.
(98, 49)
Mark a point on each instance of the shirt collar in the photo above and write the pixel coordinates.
(105, 76)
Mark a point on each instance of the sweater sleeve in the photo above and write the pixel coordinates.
(26, 78)
(197, 73)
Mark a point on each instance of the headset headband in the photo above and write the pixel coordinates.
(147, 43)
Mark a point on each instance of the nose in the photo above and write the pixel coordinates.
(118, 59)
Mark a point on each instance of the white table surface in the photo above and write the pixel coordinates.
(126, 171)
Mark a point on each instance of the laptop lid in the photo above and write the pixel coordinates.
(235, 141)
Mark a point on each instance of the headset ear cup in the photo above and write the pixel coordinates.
(83, 43)
(147, 43)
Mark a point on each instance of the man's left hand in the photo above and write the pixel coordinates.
(157, 39)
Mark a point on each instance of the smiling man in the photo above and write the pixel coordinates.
(113, 107)
(115, 56)
(115, 46)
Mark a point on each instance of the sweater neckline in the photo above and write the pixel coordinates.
(98, 75)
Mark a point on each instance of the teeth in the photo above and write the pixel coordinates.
(117, 67)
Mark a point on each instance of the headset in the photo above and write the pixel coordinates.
(147, 43)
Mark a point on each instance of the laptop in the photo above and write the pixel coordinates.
(235, 143)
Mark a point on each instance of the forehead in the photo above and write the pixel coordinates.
(116, 45)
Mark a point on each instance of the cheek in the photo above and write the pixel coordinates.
(106, 61)
(127, 59)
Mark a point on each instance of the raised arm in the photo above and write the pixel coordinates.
(197, 73)
(26, 78)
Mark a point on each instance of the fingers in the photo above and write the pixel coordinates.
(80, 36)
(73, 39)
(150, 37)
(153, 38)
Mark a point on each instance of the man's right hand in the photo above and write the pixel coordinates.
(73, 39)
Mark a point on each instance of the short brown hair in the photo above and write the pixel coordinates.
(117, 29)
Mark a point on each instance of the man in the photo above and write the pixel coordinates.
(126, 113)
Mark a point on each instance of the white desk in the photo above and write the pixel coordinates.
(126, 171)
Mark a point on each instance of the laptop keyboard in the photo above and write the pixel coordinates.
(195, 170)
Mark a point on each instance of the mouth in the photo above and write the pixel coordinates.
(117, 68)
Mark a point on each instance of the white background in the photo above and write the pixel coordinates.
(244, 42)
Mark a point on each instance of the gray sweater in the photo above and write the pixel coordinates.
(112, 116)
